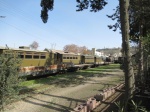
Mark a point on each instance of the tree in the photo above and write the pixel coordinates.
(34, 45)
(76, 49)
(139, 31)
(71, 48)
(83, 50)
(97, 5)
(9, 80)
(129, 75)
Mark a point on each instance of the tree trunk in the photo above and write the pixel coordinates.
(140, 60)
(128, 70)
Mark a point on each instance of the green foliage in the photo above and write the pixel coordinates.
(135, 107)
(46, 5)
(95, 6)
(120, 106)
(9, 80)
(146, 43)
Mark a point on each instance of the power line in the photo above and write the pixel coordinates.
(25, 18)
(28, 19)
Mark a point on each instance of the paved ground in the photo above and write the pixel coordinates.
(64, 99)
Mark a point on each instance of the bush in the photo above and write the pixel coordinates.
(9, 80)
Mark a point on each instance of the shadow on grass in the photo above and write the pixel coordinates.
(73, 78)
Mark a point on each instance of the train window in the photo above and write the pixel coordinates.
(64, 57)
(21, 56)
(67, 57)
(70, 57)
(74, 57)
(28, 56)
(36, 57)
(43, 57)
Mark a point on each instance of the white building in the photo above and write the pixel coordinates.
(97, 53)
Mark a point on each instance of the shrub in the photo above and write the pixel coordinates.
(9, 80)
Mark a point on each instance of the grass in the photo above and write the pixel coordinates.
(68, 79)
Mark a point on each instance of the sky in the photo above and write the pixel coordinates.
(21, 24)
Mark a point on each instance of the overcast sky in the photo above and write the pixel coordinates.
(21, 24)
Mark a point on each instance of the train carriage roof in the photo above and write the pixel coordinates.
(18, 49)
(62, 52)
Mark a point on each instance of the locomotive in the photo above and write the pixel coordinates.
(38, 62)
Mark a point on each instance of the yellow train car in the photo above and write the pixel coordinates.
(67, 58)
(98, 60)
(37, 62)
(88, 59)
(33, 62)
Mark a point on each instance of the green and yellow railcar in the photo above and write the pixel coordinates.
(33, 62)
(98, 60)
(88, 59)
(68, 58)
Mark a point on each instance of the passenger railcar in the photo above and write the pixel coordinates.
(33, 62)
(36, 62)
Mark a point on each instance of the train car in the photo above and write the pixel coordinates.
(68, 59)
(98, 61)
(37, 62)
(88, 59)
(33, 62)
(75, 61)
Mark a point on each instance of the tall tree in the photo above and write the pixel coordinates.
(139, 28)
(141, 25)
(129, 75)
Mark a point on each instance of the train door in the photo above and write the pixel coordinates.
(82, 59)
(59, 58)
(95, 60)
(55, 58)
